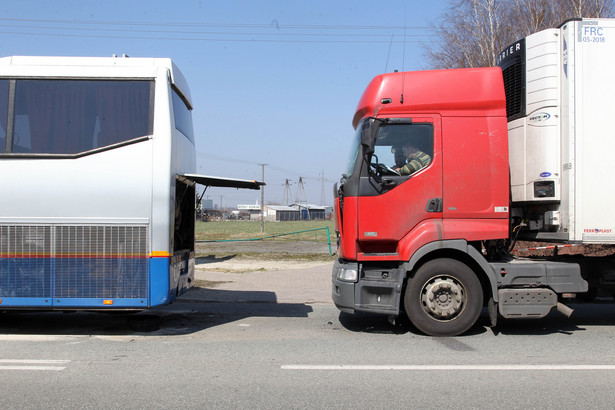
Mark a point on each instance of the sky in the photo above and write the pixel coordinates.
(272, 82)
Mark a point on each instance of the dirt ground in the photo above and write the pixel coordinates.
(528, 249)
(264, 246)
(251, 256)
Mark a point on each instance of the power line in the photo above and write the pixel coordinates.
(273, 167)
(222, 25)
(236, 33)
(213, 40)
(223, 158)
(270, 33)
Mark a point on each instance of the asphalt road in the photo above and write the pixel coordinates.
(225, 348)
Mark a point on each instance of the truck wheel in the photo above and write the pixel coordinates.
(444, 298)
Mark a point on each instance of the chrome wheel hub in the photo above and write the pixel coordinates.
(443, 298)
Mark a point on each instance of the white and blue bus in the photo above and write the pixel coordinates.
(97, 183)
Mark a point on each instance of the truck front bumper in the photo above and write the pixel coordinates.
(343, 291)
(374, 289)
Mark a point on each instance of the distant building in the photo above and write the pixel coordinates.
(297, 212)
(207, 204)
(253, 211)
(281, 213)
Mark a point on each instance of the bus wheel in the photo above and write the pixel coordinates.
(444, 298)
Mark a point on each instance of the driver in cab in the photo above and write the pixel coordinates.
(409, 159)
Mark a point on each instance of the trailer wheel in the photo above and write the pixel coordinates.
(444, 298)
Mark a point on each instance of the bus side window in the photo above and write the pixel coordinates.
(182, 116)
(73, 116)
(4, 100)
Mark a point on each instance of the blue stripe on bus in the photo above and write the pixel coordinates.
(84, 282)
(25, 302)
(99, 303)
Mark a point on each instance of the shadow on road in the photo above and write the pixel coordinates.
(186, 316)
(585, 314)
(212, 259)
(369, 323)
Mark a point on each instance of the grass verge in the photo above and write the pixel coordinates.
(292, 230)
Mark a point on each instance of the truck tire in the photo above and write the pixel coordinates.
(444, 298)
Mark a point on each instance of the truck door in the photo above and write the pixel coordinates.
(392, 205)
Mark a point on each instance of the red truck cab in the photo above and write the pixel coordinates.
(458, 118)
(418, 236)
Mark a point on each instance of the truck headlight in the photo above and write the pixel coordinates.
(347, 275)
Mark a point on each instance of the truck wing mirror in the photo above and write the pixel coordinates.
(368, 135)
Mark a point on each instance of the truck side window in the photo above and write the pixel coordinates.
(406, 148)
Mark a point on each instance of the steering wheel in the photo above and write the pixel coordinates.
(382, 169)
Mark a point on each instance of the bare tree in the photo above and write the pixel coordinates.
(532, 16)
(473, 32)
(469, 34)
(536, 15)
(588, 8)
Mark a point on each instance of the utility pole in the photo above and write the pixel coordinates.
(301, 198)
(262, 197)
(300, 192)
(322, 188)
(287, 192)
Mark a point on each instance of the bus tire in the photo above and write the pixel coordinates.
(443, 298)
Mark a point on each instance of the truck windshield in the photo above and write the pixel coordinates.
(354, 151)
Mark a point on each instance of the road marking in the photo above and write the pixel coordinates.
(30, 364)
(50, 368)
(34, 338)
(452, 367)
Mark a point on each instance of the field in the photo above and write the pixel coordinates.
(289, 230)
(236, 242)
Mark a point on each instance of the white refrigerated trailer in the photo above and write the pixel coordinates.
(559, 95)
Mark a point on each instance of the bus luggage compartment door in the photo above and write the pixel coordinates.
(73, 266)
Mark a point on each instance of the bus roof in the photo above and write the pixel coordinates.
(92, 67)
(465, 92)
